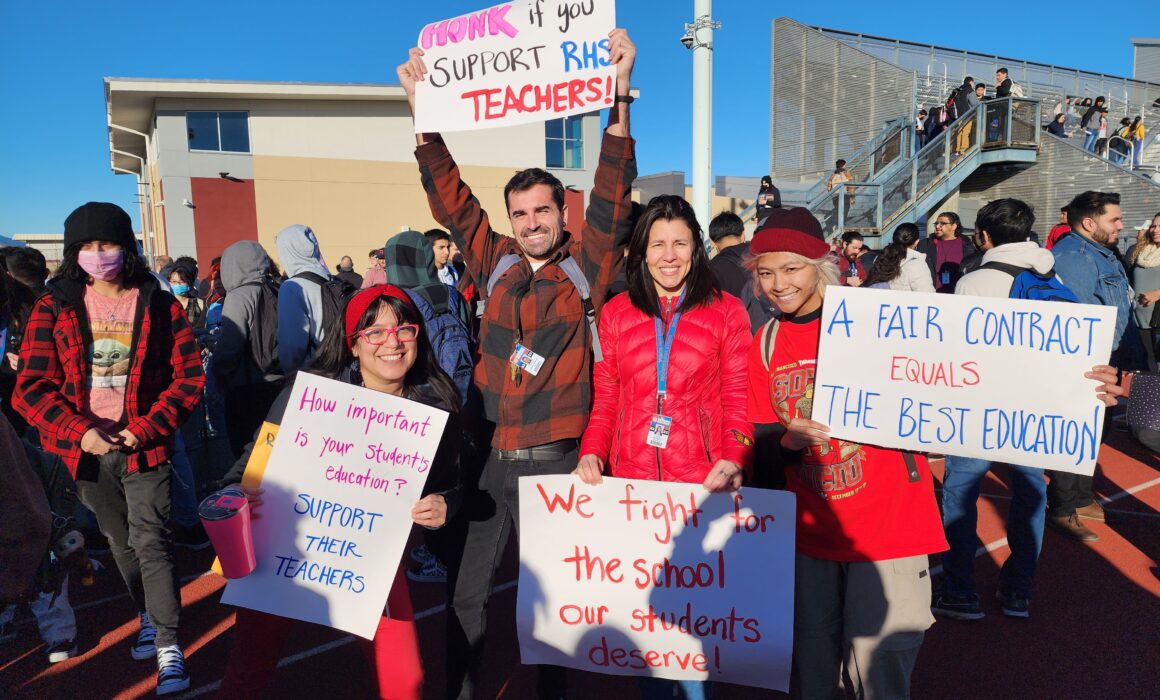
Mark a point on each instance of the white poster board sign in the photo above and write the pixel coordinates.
(647, 578)
(519, 62)
(346, 467)
(994, 378)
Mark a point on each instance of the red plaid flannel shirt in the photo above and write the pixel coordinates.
(553, 404)
(165, 374)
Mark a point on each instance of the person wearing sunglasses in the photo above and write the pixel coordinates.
(384, 348)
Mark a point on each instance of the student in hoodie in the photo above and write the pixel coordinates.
(249, 390)
(109, 371)
(300, 319)
(382, 346)
(726, 232)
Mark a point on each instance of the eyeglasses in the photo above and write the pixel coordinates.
(377, 335)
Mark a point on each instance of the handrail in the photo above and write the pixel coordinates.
(855, 161)
(990, 125)
(1129, 170)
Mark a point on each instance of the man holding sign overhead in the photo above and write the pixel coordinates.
(543, 289)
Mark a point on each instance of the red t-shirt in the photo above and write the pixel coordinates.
(854, 502)
(1056, 233)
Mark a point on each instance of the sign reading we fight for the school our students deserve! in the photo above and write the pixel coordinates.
(347, 465)
(649, 578)
(516, 63)
(994, 378)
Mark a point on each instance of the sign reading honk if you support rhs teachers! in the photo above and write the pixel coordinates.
(994, 378)
(347, 465)
(516, 63)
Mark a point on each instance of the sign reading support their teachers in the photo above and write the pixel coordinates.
(516, 63)
(648, 578)
(347, 465)
(994, 378)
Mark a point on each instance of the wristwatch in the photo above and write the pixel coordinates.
(627, 99)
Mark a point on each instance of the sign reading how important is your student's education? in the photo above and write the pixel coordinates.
(347, 465)
(994, 378)
(515, 63)
(649, 578)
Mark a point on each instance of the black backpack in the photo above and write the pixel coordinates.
(264, 330)
(335, 293)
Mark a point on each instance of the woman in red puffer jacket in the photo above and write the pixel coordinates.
(696, 430)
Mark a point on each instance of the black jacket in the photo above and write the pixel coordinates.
(927, 245)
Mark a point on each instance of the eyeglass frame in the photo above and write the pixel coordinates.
(389, 331)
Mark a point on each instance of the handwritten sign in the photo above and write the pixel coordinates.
(347, 465)
(516, 63)
(994, 378)
(647, 578)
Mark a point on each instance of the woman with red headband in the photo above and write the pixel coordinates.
(385, 348)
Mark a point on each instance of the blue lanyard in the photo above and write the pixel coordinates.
(664, 348)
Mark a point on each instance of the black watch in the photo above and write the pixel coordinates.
(627, 99)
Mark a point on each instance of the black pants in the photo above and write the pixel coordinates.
(491, 512)
(133, 512)
(1066, 492)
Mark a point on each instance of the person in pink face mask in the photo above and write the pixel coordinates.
(109, 369)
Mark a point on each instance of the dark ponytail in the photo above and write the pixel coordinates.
(889, 262)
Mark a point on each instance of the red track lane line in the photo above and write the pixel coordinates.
(118, 635)
(332, 645)
(22, 657)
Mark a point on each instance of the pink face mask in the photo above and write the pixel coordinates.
(103, 266)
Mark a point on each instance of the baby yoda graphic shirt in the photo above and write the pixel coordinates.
(111, 321)
(854, 502)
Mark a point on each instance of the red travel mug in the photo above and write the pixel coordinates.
(226, 518)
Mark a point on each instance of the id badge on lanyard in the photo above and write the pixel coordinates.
(660, 426)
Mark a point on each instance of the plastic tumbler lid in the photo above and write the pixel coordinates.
(223, 504)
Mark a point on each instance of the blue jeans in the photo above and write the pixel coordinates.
(1089, 141)
(662, 689)
(183, 485)
(960, 517)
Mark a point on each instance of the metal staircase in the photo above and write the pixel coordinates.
(893, 184)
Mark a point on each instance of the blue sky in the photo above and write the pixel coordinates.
(54, 146)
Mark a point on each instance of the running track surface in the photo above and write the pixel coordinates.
(1094, 629)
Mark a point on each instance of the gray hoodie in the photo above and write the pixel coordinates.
(243, 263)
(300, 323)
(996, 283)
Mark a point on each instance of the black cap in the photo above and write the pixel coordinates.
(99, 221)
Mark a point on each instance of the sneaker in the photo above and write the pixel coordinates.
(1092, 511)
(61, 651)
(1014, 605)
(433, 571)
(957, 607)
(191, 537)
(1072, 527)
(145, 647)
(171, 674)
(420, 554)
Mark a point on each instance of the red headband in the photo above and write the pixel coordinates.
(359, 303)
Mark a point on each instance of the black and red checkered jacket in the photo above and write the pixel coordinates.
(165, 374)
(541, 309)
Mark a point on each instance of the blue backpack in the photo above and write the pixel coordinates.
(1028, 284)
(450, 341)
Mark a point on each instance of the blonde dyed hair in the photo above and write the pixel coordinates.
(826, 267)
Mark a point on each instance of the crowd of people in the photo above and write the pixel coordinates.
(700, 371)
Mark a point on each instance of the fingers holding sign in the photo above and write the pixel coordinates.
(411, 71)
(724, 476)
(802, 433)
(589, 469)
(430, 511)
(1108, 389)
(622, 54)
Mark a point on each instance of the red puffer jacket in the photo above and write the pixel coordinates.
(706, 392)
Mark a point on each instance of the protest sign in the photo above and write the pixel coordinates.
(347, 465)
(515, 63)
(994, 378)
(649, 578)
